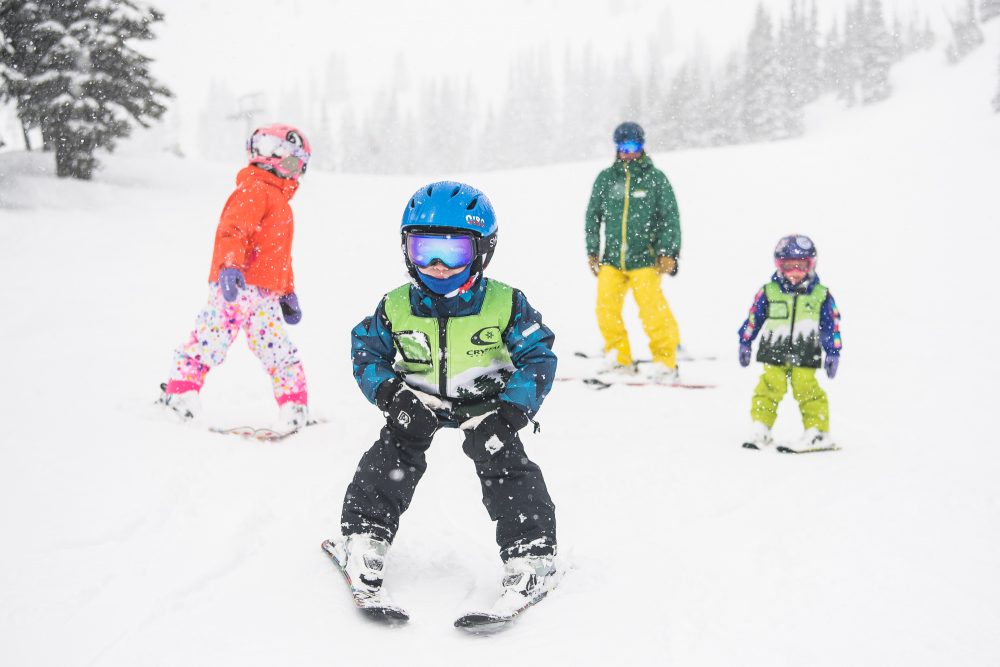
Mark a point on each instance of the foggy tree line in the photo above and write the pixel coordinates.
(563, 109)
(70, 73)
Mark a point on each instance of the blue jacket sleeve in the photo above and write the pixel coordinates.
(530, 345)
(758, 313)
(829, 326)
(372, 352)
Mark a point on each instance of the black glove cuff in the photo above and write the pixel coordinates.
(513, 415)
(385, 392)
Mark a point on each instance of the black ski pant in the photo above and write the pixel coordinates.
(514, 492)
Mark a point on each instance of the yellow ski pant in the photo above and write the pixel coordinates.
(806, 390)
(657, 320)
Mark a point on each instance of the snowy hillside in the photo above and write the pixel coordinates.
(130, 540)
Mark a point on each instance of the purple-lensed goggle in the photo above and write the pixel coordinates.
(452, 250)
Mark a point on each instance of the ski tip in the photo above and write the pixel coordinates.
(387, 615)
(482, 623)
(750, 445)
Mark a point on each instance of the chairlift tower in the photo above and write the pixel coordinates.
(248, 107)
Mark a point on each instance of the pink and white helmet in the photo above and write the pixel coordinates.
(282, 149)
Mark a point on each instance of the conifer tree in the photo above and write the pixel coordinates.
(996, 100)
(765, 104)
(966, 35)
(876, 55)
(989, 9)
(83, 84)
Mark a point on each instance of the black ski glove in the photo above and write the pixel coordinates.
(404, 412)
(504, 423)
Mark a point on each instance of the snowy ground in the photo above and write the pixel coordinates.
(129, 540)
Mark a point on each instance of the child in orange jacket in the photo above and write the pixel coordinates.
(251, 284)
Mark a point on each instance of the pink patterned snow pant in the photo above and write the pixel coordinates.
(258, 313)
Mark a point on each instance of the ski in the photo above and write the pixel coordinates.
(682, 355)
(371, 606)
(638, 381)
(785, 449)
(262, 434)
(487, 623)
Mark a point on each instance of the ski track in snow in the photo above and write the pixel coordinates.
(130, 540)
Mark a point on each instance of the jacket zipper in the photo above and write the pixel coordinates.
(443, 356)
(624, 245)
(791, 330)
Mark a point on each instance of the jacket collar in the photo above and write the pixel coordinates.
(805, 287)
(426, 304)
(287, 186)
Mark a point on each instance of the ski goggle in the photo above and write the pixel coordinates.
(786, 265)
(269, 145)
(452, 250)
(629, 147)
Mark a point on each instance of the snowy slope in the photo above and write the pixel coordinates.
(129, 540)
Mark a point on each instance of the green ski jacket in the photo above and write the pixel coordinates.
(635, 203)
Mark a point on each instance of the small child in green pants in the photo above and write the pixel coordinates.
(800, 321)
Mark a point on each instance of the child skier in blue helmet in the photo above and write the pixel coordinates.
(451, 349)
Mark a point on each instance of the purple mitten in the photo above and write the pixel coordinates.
(744, 354)
(290, 308)
(830, 364)
(231, 281)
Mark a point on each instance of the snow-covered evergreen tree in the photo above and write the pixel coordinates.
(996, 100)
(766, 113)
(989, 9)
(966, 34)
(83, 84)
(876, 55)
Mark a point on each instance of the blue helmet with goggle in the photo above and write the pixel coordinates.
(451, 223)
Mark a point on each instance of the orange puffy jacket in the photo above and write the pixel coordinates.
(255, 231)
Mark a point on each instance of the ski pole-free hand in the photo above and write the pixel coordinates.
(290, 309)
(666, 264)
(745, 353)
(830, 365)
(594, 264)
(404, 412)
(231, 281)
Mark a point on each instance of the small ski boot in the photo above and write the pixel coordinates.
(759, 438)
(292, 417)
(185, 406)
(361, 559)
(527, 579)
(813, 440)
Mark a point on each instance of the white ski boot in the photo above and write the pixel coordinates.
(186, 406)
(813, 439)
(292, 417)
(663, 374)
(611, 366)
(362, 558)
(527, 579)
(759, 438)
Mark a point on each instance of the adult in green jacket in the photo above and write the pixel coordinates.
(635, 204)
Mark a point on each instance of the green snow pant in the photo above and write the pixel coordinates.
(806, 390)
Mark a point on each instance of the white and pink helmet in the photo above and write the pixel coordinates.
(282, 149)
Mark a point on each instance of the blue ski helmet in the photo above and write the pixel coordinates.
(629, 132)
(449, 206)
(796, 246)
